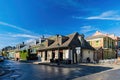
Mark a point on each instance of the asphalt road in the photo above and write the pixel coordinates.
(27, 71)
(108, 75)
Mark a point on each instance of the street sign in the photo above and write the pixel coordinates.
(78, 50)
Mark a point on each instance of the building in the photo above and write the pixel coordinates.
(11, 54)
(6, 52)
(17, 50)
(27, 51)
(72, 48)
(117, 44)
(104, 45)
(117, 40)
(19, 46)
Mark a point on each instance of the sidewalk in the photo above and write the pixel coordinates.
(51, 64)
(103, 75)
(114, 66)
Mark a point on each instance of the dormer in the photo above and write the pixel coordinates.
(61, 39)
(48, 42)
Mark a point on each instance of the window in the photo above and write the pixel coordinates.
(97, 43)
(119, 44)
(105, 43)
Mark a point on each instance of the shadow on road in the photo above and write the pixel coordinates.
(64, 72)
(84, 70)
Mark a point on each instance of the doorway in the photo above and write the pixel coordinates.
(61, 55)
(53, 54)
(45, 55)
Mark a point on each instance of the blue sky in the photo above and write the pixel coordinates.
(23, 20)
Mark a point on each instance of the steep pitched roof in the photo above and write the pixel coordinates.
(70, 41)
(55, 43)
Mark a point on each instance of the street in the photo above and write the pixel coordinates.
(110, 75)
(28, 71)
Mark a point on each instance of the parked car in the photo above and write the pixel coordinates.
(1, 58)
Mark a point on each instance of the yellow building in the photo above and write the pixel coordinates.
(104, 45)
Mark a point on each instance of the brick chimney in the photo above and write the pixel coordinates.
(47, 43)
(59, 39)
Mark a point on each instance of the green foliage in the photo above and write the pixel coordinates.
(24, 55)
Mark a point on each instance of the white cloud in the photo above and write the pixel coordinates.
(7, 40)
(15, 27)
(24, 35)
(10, 39)
(85, 29)
(108, 15)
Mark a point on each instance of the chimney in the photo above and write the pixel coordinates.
(59, 39)
(47, 43)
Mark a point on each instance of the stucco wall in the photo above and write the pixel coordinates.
(93, 42)
(49, 55)
(17, 55)
(87, 53)
(43, 56)
(56, 54)
(66, 54)
(11, 55)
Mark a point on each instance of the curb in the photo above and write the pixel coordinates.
(61, 65)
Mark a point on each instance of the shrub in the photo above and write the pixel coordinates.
(23, 55)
